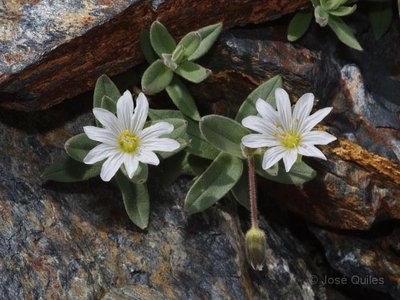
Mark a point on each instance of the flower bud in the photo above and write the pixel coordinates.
(256, 246)
(321, 16)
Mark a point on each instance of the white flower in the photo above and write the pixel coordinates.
(287, 133)
(123, 139)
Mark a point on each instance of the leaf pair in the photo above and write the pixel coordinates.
(168, 59)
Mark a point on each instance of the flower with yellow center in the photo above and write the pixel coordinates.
(286, 133)
(123, 141)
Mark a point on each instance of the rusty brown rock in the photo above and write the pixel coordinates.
(53, 52)
(359, 183)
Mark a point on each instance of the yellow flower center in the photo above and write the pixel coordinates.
(127, 141)
(290, 140)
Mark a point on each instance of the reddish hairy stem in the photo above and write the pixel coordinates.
(252, 192)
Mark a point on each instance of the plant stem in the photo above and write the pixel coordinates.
(252, 192)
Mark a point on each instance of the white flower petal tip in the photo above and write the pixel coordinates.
(287, 130)
(123, 141)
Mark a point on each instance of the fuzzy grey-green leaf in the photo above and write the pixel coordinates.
(66, 169)
(343, 33)
(192, 72)
(147, 49)
(299, 25)
(343, 11)
(265, 91)
(78, 146)
(136, 200)
(160, 39)
(214, 183)
(223, 133)
(156, 78)
(182, 98)
(109, 104)
(104, 87)
(209, 35)
(190, 42)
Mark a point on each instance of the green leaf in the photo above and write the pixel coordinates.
(214, 183)
(146, 47)
(223, 133)
(160, 114)
(105, 87)
(198, 164)
(380, 15)
(178, 134)
(66, 169)
(161, 40)
(156, 78)
(343, 11)
(190, 43)
(241, 191)
(198, 145)
(136, 200)
(181, 97)
(192, 72)
(177, 56)
(109, 104)
(299, 25)
(333, 4)
(343, 33)
(209, 35)
(265, 91)
(78, 146)
(299, 174)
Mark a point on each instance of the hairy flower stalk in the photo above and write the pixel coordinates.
(255, 237)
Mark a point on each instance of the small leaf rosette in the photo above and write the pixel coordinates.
(326, 12)
(286, 133)
(123, 141)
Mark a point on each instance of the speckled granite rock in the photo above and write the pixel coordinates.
(74, 241)
(50, 51)
(360, 182)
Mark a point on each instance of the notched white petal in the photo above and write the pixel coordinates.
(139, 117)
(156, 130)
(259, 141)
(148, 157)
(289, 159)
(125, 110)
(284, 108)
(102, 135)
(111, 166)
(272, 156)
(107, 119)
(317, 137)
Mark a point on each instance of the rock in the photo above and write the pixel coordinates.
(75, 241)
(50, 52)
(365, 261)
(359, 183)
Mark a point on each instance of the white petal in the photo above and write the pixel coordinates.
(111, 166)
(260, 125)
(289, 159)
(160, 144)
(102, 135)
(107, 119)
(99, 153)
(315, 118)
(310, 150)
(140, 115)
(156, 130)
(272, 156)
(317, 137)
(284, 108)
(148, 157)
(259, 140)
(125, 110)
(267, 111)
(131, 164)
(302, 109)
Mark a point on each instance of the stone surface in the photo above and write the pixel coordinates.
(75, 241)
(50, 52)
(365, 260)
(359, 183)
